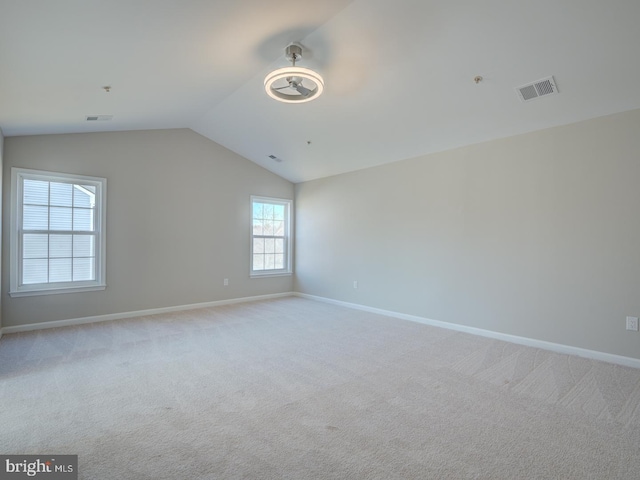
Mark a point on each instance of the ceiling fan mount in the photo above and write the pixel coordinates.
(293, 53)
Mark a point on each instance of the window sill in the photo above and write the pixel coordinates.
(55, 291)
(269, 274)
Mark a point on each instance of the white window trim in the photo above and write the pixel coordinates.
(17, 290)
(288, 238)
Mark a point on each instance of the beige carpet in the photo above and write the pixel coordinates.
(297, 389)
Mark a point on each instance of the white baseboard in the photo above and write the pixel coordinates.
(530, 342)
(138, 313)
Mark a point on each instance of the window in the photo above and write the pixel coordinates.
(57, 233)
(270, 236)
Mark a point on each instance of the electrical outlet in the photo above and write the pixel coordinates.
(355, 284)
(632, 323)
(226, 282)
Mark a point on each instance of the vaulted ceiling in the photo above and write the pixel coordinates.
(399, 75)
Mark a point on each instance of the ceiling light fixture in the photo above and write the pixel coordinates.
(294, 84)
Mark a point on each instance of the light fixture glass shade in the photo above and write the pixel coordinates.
(277, 84)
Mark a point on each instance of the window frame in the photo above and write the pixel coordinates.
(16, 288)
(288, 237)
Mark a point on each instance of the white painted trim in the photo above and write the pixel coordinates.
(288, 236)
(55, 291)
(16, 289)
(138, 313)
(529, 342)
(267, 275)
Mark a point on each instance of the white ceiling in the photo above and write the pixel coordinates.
(398, 74)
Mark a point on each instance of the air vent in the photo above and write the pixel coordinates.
(541, 88)
(274, 158)
(99, 118)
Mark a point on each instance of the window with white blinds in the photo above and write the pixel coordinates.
(270, 236)
(57, 232)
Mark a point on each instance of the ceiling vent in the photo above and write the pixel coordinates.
(274, 158)
(540, 88)
(99, 118)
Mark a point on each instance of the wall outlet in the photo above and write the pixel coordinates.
(632, 323)
(355, 284)
(226, 282)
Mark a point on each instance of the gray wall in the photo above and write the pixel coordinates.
(536, 235)
(177, 220)
(1, 161)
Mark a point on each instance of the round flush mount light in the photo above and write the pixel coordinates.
(294, 84)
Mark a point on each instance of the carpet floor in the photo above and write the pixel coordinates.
(296, 389)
